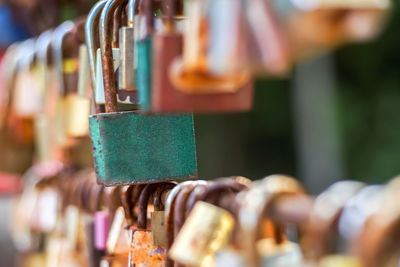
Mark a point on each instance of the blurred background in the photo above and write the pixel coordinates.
(333, 117)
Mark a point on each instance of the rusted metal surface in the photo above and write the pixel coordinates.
(105, 29)
(143, 252)
(137, 148)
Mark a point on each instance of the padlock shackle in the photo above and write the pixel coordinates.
(143, 203)
(321, 230)
(223, 185)
(91, 28)
(132, 7)
(112, 199)
(43, 43)
(57, 45)
(253, 204)
(169, 219)
(158, 194)
(105, 29)
(126, 195)
(27, 55)
(147, 6)
(118, 23)
(181, 208)
(95, 202)
(8, 72)
(195, 195)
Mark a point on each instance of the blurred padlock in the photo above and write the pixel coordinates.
(319, 241)
(61, 67)
(312, 27)
(78, 103)
(189, 84)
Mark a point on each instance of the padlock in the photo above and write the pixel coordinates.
(43, 137)
(24, 96)
(154, 147)
(188, 84)
(27, 96)
(357, 211)
(279, 249)
(324, 218)
(250, 217)
(266, 45)
(127, 91)
(214, 229)
(61, 66)
(157, 219)
(314, 27)
(144, 47)
(180, 209)
(78, 103)
(94, 53)
(95, 221)
(8, 67)
(213, 225)
(170, 214)
(169, 220)
(142, 249)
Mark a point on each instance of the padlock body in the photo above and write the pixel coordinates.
(167, 98)
(130, 147)
(144, 71)
(143, 252)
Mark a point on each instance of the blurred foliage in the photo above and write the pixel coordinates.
(251, 144)
(368, 80)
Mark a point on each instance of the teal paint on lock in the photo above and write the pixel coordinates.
(144, 71)
(131, 147)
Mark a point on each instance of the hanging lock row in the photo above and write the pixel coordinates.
(225, 222)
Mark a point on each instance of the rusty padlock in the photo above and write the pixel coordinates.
(156, 148)
(142, 249)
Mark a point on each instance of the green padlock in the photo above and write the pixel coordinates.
(131, 147)
(144, 46)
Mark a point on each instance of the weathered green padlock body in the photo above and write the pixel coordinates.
(132, 148)
(144, 72)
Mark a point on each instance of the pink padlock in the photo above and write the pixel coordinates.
(100, 229)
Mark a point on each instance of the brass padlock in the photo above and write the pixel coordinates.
(213, 230)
